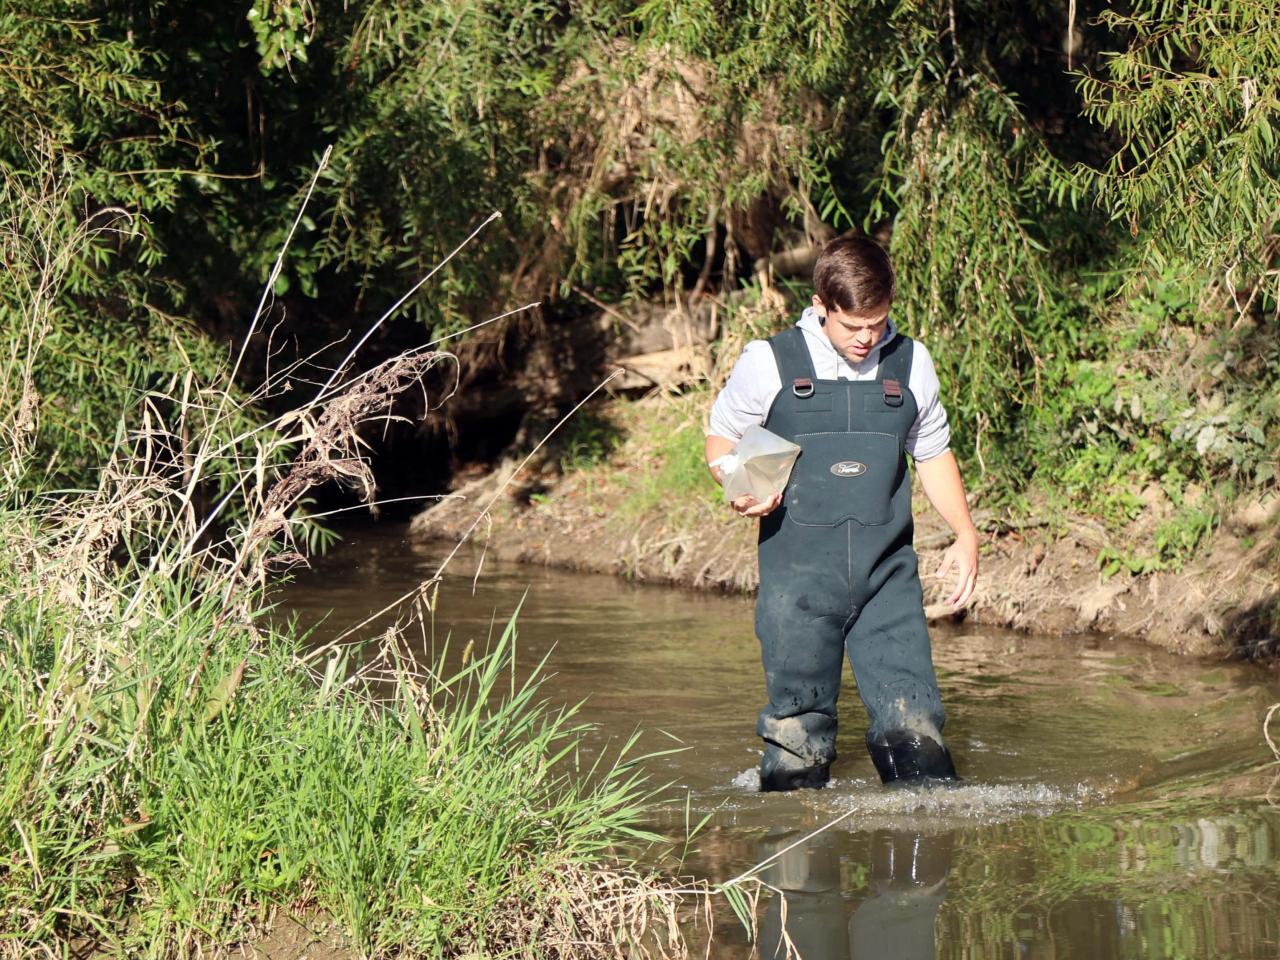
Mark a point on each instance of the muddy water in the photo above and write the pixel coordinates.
(1115, 802)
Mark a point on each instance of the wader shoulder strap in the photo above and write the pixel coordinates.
(895, 359)
(894, 371)
(791, 354)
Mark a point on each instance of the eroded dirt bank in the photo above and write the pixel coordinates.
(638, 514)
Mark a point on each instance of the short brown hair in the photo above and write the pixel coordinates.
(853, 274)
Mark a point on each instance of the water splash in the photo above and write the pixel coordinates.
(983, 802)
(967, 802)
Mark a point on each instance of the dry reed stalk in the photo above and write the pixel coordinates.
(421, 589)
(1272, 790)
(331, 452)
(592, 913)
(341, 368)
(1266, 730)
(307, 413)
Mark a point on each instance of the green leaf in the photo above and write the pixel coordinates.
(224, 692)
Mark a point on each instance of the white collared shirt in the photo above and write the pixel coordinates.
(755, 381)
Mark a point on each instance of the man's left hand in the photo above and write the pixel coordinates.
(749, 506)
(963, 556)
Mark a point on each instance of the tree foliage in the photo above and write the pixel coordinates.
(1042, 183)
(92, 153)
(1194, 102)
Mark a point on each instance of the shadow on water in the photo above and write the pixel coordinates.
(1116, 802)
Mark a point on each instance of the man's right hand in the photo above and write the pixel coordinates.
(749, 506)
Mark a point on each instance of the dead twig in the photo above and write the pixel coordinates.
(1266, 730)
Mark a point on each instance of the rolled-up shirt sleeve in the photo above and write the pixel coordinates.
(930, 435)
(746, 396)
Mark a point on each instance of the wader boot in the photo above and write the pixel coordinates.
(838, 576)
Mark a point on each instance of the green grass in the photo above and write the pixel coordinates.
(661, 458)
(164, 780)
(588, 440)
(676, 477)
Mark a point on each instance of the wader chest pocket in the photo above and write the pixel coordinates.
(819, 401)
(844, 476)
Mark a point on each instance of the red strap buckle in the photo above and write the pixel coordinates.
(893, 393)
(802, 387)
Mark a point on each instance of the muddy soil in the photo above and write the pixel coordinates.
(310, 936)
(1037, 574)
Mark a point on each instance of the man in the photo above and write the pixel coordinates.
(837, 567)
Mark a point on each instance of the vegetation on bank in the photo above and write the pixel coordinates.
(176, 767)
(1126, 439)
(172, 777)
(1081, 203)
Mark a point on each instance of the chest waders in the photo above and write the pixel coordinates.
(838, 576)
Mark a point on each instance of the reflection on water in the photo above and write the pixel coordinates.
(1090, 883)
(1113, 808)
(891, 918)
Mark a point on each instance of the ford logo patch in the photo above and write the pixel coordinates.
(848, 468)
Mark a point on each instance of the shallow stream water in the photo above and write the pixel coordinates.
(1115, 798)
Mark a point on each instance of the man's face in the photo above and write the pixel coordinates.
(853, 334)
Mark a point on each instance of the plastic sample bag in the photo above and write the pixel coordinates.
(760, 465)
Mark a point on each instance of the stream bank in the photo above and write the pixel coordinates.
(634, 500)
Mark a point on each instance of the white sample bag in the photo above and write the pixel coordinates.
(760, 465)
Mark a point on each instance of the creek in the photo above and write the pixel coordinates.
(1118, 801)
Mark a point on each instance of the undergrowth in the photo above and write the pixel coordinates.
(174, 767)
(660, 450)
(167, 778)
(1155, 425)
